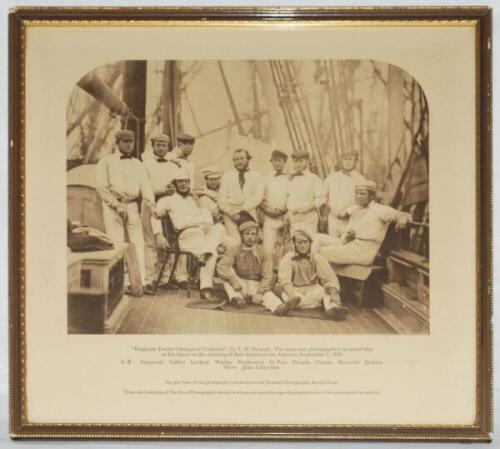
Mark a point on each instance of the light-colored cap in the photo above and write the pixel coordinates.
(302, 233)
(367, 185)
(181, 175)
(160, 138)
(212, 172)
(248, 225)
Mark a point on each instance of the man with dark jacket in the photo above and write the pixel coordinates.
(247, 272)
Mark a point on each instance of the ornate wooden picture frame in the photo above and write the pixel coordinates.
(403, 92)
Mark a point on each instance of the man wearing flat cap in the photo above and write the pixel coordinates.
(307, 279)
(247, 272)
(365, 231)
(161, 173)
(121, 180)
(340, 192)
(276, 188)
(181, 153)
(241, 190)
(306, 195)
(197, 233)
(209, 195)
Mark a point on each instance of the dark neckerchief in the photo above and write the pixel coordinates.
(298, 256)
(184, 194)
(126, 156)
(301, 173)
(241, 177)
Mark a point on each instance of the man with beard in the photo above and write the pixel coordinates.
(365, 231)
(197, 233)
(161, 173)
(340, 192)
(241, 191)
(247, 272)
(209, 196)
(121, 180)
(307, 279)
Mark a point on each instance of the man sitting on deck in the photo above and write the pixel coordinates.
(307, 279)
(365, 232)
(197, 233)
(247, 272)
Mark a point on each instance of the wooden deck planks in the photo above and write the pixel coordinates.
(166, 314)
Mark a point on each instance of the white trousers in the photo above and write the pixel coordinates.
(114, 229)
(313, 296)
(307, 222)
(232, 229)
(356, 252)
(197, 242)
(336, 226)
(181, 273)
(154, 257)
(270, 301)
(271, 230)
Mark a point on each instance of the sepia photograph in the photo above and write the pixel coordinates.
(248, 197)
(220, 206)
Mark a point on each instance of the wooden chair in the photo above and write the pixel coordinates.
(173, 253)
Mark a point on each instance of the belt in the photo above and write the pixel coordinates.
(127, 201)
(307, 285)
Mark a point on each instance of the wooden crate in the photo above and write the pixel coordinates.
(98, 304)
(360, 284)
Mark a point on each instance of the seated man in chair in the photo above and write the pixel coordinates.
(197, 233)
(307, 280)
(365, 231)
(247, 272)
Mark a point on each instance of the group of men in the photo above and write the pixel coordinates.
(234, 224)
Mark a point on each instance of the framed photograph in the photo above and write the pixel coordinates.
(220, 223)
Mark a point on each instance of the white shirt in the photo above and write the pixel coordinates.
(209, 200)
(276, 189)
(305, 190)
(340, 189)
(232, 198)
(160, 174)
(122, 179)
(184, 212)
(186, 166)
(371, 222)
